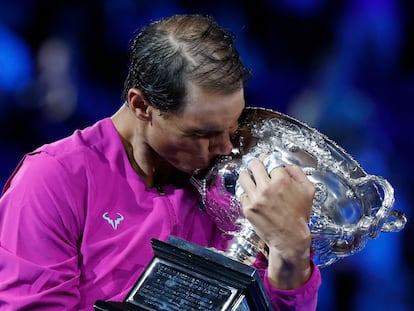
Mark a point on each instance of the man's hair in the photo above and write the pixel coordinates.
(168, 53)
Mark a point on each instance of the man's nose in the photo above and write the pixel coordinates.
(221, 144)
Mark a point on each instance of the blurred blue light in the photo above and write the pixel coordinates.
(301, 7)
(16, 64)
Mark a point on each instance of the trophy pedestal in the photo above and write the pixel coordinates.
(184, 276)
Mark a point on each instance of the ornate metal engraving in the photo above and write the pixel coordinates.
(349, 207)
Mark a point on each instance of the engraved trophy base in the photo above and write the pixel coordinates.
(184, 276)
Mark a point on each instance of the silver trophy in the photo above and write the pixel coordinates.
(349, 207)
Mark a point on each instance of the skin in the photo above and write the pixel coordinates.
(158, 145)
(278, 205)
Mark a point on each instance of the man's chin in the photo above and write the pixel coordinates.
(200, 169)
(188, 170)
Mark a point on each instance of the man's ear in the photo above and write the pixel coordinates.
(138, 104)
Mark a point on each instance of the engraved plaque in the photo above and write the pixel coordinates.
(168, 287)
(183, 276)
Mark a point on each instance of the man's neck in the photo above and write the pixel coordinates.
(154, 171)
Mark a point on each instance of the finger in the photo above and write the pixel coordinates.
(273, 161)
(259, 172)
(297, 174)
(300, 177)
(246, 182)
(243, 198)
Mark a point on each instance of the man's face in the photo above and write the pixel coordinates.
(193, 138)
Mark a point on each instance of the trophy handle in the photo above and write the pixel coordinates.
(384, 219)
(395, 222)
(332, 241)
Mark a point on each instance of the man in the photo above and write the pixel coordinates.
(77, 215)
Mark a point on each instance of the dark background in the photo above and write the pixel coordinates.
(345, 67)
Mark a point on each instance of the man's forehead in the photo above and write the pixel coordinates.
(211, 112)
(200, 125)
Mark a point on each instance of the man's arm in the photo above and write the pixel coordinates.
(279, 205)
(38, 254)
(303, 298)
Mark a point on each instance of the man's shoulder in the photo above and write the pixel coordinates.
(81, 140)
(70, 156)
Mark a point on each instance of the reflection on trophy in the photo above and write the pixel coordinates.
(349, 207)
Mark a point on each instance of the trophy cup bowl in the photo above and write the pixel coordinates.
(349, 207)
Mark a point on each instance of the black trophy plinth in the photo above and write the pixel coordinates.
(184, 276)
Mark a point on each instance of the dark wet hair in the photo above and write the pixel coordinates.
(168, 53)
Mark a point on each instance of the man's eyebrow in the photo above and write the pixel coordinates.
(204, 131)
